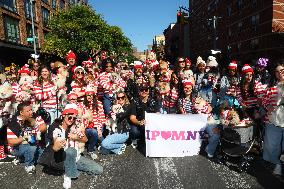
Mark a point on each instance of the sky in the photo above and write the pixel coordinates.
(140, 20)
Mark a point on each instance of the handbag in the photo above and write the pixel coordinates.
(51, 159)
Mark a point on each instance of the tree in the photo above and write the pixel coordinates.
(81, 29)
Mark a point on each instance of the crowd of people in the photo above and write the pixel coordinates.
(53, 114)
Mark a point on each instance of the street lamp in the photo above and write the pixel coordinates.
(33, 29)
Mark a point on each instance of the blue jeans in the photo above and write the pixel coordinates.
(27, 151)
(213, 140)
(137, 132)
(273, 143)
(115, 141)
(107, 101)
(93, 137)
(72, 167)
(53, 114)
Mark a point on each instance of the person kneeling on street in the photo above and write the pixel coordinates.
(69, 139)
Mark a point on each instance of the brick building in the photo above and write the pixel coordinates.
(245, 30)
(16, 26)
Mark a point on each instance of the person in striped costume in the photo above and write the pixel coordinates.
(170, 100)
(78, 84)
(185, 103)
(229, 85)
(273, 101)
(106, 84)
(94, 123)
(45, 93)
(251, 92)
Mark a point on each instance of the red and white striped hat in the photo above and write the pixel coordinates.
(25, 69)
(70, 109)
(246, 68)
(233, 64)
(188, 81)
(138, 64)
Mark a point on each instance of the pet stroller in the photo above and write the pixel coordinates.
(235, 145)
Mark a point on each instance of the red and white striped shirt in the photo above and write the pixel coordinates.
(98, 116)
(105, 83)
(270, 98)
(78, 87)
(252, 101)
(45, 93)
(171, 98)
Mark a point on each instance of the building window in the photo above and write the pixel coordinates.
(62, 4)
(240, 4)
(239, 46)
(72, 2)
(45, 16)
(255, 20)
(9, 4)
(53, 4)
(12, 32)
(254, 44)
(28, 9)
(254, 3)
(229, 10)
(240, 26)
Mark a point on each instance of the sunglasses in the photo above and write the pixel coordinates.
(144, 90)
(71, 118)
(120, 97)
(181, 61)
(80, 72)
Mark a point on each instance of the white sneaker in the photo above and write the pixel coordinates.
(210, 155)
(30, 169)
(67, 182)
(278, 169)
(93, 155)
(122, 150)
(134, 144)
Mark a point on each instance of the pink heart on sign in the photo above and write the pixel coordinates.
(166, 134)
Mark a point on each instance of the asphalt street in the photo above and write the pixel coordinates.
(133, 170)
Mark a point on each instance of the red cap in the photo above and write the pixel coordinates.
(233, 64)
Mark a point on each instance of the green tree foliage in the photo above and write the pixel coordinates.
(80, 28)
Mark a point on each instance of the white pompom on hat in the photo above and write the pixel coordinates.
(70, 109)
(211, 62)
(200, 61)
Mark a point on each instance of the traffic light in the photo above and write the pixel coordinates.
(182, 17)
(179, 15)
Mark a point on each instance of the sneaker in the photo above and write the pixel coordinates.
(122, 150)
(134, 144)
(67, 182)
(278, 169)
(210, 155)
(30, 169)
(93, 155)
(7, 159)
